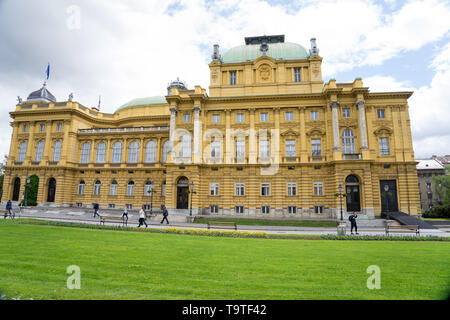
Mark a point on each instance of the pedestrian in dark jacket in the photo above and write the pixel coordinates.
(125, 213)
(96, 210)
(9, 208)
(165, 214)
(352, 219)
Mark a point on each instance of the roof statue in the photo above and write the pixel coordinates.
(19, 100)
(216, 54)
(314, 51)
(71, 96)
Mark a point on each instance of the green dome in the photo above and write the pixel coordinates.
(155, 100)
(277, 51)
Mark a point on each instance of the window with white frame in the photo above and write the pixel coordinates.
(42, 128)
(264, 151)
(297, 75)
(150, 152)
(85, 153)
(214, 208)
(346, 112)
(56, 151)
(81, 186)
(185, 150)
(348, 142)
(316, 148)
(318, 209)
(384, 146)
(39, 151)
(22, 151)
(133, 152)
(239, 188)
(314, 115)
(240, 149)
(25, 128)
(381, 114)
(318, 188)
(216, 118)
(214, 189)
(289, 115)
(290, 148)
(186, 117)
(292, 189)
(215, 149)
(292, 209)
(116, 156)
(113, 188)
(59, 127)
(264, 116)
(239, 209)
(100, 156)
(265, 209)
(130, 188)
(97, 186)
(166, 147)
(239, 117)
(232, 77)
(265, 189)
(148, 188)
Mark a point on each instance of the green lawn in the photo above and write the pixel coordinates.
(251, 222)
(133, 265)
(436, 219)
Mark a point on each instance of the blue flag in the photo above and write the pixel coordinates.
(48, 71)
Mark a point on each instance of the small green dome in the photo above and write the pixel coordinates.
(155, 100)
(277, 51)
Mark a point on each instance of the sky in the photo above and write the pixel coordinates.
(123, 50)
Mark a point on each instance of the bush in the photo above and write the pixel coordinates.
(438, 212)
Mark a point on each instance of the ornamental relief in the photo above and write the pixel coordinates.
(57, 135)
(290, 132)
(186, 126)
(315, 123)
(22, 136)
(348, 123)
(315, 132)
(382, 123)
(265, 73)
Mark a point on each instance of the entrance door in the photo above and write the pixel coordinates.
(353, 197)
(389, 197)
(51, 190)
(16, 190)
(182, 197)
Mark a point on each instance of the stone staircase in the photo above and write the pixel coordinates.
(406, 219)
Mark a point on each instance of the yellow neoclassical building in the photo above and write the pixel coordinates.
(269, 139)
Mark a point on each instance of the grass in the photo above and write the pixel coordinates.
(135, 265)
(436, 219)
(251, 222)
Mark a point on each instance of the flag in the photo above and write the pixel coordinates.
(98, 107)
(48, 71)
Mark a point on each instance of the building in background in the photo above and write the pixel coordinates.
(270, 139)
(426, 170)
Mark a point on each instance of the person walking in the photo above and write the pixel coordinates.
(9, 208)
(352, 220)
(165, 214)
(96, 210)
(142, 217)
(125, 213)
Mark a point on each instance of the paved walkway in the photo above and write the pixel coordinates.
(68, 215)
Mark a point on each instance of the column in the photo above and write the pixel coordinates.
(30, 146)
(252, 138)
(197, 134)
(229, 138)
(173, 116)
(14, 144)
(275, 138)
(70, 145)
(362, 124)
(334, 116)
(108, 151)
(303, 144)
(48, 143)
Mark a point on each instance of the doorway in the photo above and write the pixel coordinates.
(51, 190)
(388, 191)
(16, 189)
(353, 197)
(182, 193)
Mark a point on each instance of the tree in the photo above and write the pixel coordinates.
(442, 184)
(2, 174)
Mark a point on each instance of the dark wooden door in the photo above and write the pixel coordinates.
(389, 197)
(16, 190)
(182, 198)
(51, 190)
(353, 198)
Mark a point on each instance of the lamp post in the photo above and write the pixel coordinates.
(151, 191)
(191, 191)
(386, 193)
(340, 188)
(342, 225)
(27, 184)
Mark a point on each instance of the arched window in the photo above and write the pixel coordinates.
(81, 185)
(351, 179)
(185, 150)
(348, 142)
(22, 151)
(39, 151)
(147, 188)
(215, 149)
(100, 156)
(113, 188)
(97, 185)
(150, 152)
(166, 147)
(130, 188)
(85, 153)
(133, 152)
(56, 151)
(116, 156)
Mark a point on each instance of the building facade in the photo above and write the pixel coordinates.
(270, 139)
(426, 170)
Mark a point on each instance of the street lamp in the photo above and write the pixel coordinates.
(191, 192)
(341, 195)
(342, 226)
(151, 191)
(27, 184)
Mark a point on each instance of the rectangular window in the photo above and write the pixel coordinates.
(289, 116)
(263, 117)
(318, 188)
(297, 75)
(381, 114)
(186, 117)
(265, 189)
(265, 209)
(25, 128)
(215, 149)
(292, 189)
(314, 115)
(290, 148)
(130, 189)
(384, 146)
(22, 151)
(232, 77)
(239, 117)
(111, 205)
(292, 209)
(346, 112)
(240, 149)
(318, 209)
(113, 189)
(239, 209)
(214, 189)
(81, 189)
(216, 118)
(316, 147)
(214, 208)
(264, 151)
(239, 189)
(59, 127)
(42, 128)
(163, 189)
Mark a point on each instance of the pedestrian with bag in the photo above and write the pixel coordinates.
(96, 210)
(9, 208)
(125, 213)
(165, 214)
(142, 217)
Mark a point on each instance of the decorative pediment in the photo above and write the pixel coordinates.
(383, 131)
(315, 132)
(290, 132)
(348, 123)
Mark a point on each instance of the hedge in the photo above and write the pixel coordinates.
(438, 212)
